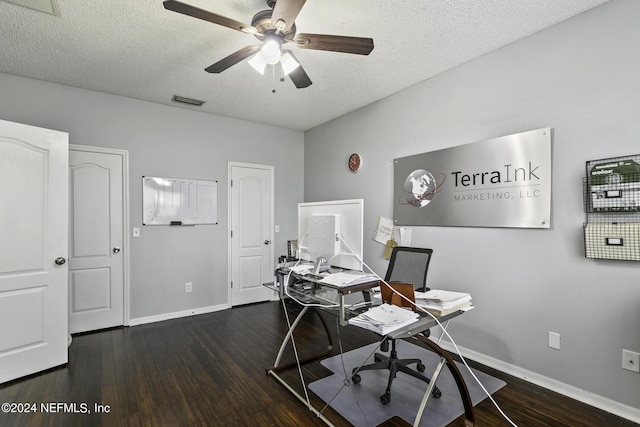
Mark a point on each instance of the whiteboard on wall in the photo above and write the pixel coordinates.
(179, 201)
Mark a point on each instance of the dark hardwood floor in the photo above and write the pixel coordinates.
(209, 370)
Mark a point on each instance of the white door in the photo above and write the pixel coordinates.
(96, 240)
(251, 232)
(33, 249)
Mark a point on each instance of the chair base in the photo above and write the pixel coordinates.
(394, 365)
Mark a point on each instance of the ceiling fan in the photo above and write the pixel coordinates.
(275, 27)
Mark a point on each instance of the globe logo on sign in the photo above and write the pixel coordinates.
(420, 187)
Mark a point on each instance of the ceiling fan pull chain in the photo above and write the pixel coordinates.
(273, 78)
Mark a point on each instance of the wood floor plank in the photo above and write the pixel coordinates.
(209, 370)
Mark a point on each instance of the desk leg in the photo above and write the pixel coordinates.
(432, 385)
(289, 333)
(444, 328)
(445, 358)
(342, 317)
(277, 366)
(300, 398)
(273, 370)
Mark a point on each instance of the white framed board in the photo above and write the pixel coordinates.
(179, 201)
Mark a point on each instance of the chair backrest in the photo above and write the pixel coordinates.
(409, 265)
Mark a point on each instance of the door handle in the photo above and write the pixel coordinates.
(60, 261)
(116, 250)
(266, 242)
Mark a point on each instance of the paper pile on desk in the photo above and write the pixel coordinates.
(384, 318)
(348, 278)
(301, 268)
(441, 303)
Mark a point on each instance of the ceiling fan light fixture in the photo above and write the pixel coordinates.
(275, 27)
(271, 52)
(258, 63)
(288, 63)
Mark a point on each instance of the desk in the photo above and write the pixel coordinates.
(308, 287)
(312, 290)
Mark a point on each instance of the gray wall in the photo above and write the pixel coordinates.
(582, 78)
(172, 142)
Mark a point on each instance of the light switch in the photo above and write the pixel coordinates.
(554, 340)
(136, 231)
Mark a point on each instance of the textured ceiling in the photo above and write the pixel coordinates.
(141, 50)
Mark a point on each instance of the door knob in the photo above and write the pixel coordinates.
(116, 250)
(60, 261)
(266, 242)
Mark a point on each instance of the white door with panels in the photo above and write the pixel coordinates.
(33, 235)
(96, 239)
(251, 225)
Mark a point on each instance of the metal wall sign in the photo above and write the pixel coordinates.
(500, 182)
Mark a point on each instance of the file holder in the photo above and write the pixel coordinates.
(619, 241)
(611, 194)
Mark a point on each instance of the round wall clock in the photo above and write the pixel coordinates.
(355, 162)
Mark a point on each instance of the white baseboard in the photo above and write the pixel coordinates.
(584, 396)
(177, 314)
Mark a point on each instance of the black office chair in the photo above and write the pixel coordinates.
(407, 265)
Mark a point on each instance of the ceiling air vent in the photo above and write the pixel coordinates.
(185, 100)
(47, 6)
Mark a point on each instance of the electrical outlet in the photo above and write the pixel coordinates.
(554, 340)
(188, 287)
(631, 361)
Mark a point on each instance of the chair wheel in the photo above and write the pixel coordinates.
(420, 367)
(385, 398)
(436, 393)
(355, 379)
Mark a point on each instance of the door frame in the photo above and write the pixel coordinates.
(230, 165)
(125, 217)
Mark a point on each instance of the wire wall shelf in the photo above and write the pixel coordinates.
(611, 194)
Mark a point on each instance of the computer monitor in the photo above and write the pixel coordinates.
(332, 230)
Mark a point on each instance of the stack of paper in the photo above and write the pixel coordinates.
(301, 268)
(347, 278)
(384, 318)
(440, 303)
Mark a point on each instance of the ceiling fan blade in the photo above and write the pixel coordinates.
(345, 44)
(195, 12)
(232, 59)
(298, 76)
(286, 11)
